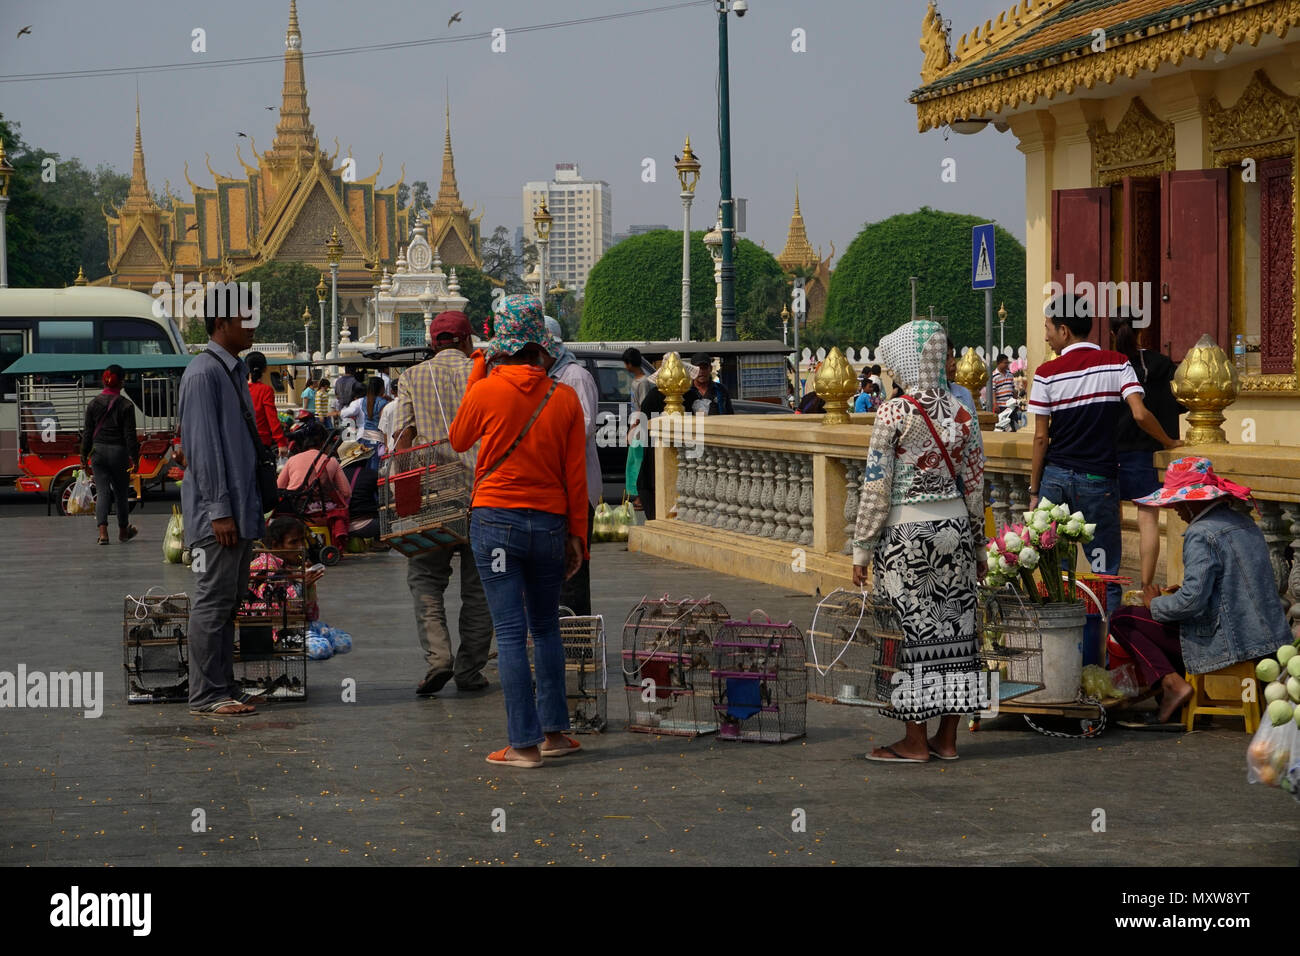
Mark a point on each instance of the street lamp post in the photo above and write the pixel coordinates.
(334, 255)
(306, 332)
(427, 302)
(688, 174)
(321, 293)
(724, 171)
(713, 242)
(1002, 328)
(542, 223)
(785, 325)
(6, 174)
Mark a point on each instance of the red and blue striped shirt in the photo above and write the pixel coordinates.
(1082, 392)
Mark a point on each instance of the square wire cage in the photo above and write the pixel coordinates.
(667, 663)
(155, 648)
(586, 674)
(271, 627)
(855, 647)
(760, 681)
(424, 498)
(1011, 641)
(276, 676)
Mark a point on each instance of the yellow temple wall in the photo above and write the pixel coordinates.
(1058, 155)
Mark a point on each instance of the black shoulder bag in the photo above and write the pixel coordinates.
(268, 489)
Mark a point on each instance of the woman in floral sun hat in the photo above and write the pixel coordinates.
(1227, 609)
(528, 524)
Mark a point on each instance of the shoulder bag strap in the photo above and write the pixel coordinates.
(103, 418)
(527, 425)
(248, 415)
(937, 440)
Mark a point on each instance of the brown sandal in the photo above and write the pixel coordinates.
(127, 533)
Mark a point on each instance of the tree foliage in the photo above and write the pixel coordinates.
(635, 291)
(285, 290)
(477, 288)
(500, 262)
(870, 295)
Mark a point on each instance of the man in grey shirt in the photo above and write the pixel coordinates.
(222, 509)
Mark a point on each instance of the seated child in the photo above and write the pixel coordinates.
(1227, 609)
(268, 577)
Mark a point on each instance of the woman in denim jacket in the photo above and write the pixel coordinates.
(1227, 607)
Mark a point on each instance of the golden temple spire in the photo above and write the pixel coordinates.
(798, 250)
(138, 197)
(448, 200)
(294, 134)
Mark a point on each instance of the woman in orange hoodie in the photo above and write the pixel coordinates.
(528, 527)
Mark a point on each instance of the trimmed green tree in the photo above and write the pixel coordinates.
(635, 291)
(870, 294)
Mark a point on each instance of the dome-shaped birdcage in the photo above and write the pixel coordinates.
(760, 681)
(667, 658)
(854, 644)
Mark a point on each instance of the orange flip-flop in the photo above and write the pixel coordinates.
(507, 756)
(572, 748)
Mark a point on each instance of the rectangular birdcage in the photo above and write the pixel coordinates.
(760, 683)
(424, 498)
(271, 622)
(667, 659)
(155, 648)
(854, 649)
(1011, 641)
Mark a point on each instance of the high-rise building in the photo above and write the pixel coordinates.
(637, 229)
(582, 227)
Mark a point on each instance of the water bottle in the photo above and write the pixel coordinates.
(1239, 355)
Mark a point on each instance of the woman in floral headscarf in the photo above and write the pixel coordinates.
(528, 527)
(921, 516)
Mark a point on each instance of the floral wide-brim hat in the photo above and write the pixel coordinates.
(519, 323)
(1193, 479)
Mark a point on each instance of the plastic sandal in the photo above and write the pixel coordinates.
(508, 757)
(572, 748)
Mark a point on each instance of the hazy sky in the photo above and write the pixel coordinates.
(604, 95)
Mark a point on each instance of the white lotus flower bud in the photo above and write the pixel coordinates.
(1012, 542)
(1029, 559)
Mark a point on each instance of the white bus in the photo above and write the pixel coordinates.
(81, 320)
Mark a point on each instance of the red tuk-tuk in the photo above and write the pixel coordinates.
(53, 392)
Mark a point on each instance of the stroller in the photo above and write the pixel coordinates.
(310, 504)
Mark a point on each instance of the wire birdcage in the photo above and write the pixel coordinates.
(667, 655)
(155, 648)
(1011, 641)
(271, 626)
(855, 648)
(424, 498)
(586, 675)
(760, 683)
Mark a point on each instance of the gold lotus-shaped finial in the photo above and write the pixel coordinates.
(835, 384)
(972, 372)
(673, 381)
(1206, 382)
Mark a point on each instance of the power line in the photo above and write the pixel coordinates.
(341, 51)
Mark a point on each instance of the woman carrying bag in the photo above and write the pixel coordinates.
(110, 449)
(528, 526)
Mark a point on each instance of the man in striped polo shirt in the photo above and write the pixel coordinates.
(1076, 402)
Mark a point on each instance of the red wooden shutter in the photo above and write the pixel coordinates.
(1081, 243)
(1194, 263)
(1142, 250)
(1276, 268)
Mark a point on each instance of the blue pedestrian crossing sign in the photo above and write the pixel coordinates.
(983, 262)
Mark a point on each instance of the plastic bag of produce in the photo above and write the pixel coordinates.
(1274, 752)
(174, 538)
(602, 523)
(82, 499)
(620, 519)
(1125, 680)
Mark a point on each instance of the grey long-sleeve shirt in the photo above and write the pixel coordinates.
(221, 460)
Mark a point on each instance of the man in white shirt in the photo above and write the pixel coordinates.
(563, 366)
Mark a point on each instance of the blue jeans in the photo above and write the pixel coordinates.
(520, 557)
(1098, 499)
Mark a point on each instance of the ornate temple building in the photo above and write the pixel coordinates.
(1160, 142)
(283, 209)
(798, 257)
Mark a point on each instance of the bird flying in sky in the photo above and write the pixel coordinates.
(455, 17)
(28, 29)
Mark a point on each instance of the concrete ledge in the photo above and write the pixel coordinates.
(771, 562)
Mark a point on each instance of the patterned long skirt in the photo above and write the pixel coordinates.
(926, 569)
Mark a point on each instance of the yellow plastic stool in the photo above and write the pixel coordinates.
(1223, 692)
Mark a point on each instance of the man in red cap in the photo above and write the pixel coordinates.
(429, 396)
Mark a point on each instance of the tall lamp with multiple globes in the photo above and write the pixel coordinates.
(321, 292)
(688, 174)
(542, 220)
(334, 255)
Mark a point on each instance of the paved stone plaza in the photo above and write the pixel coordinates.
(396, 779)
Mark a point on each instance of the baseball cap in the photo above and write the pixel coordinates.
(451, 323)
(701, 359)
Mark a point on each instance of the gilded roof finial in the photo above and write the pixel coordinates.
(934, 44)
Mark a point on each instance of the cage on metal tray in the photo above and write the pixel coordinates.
(155, 650)
(1011, 641)
(667, 654)
(760, 683)
(276, 676)
(854, 645)
(424, 497)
